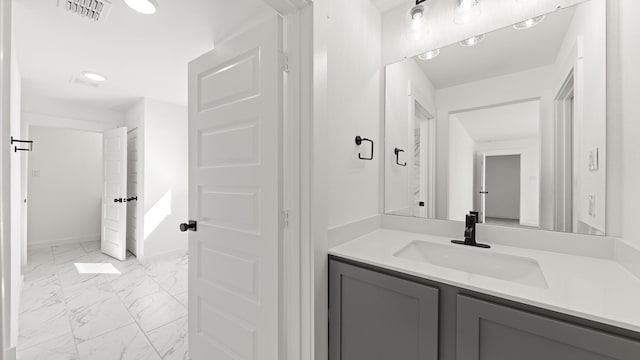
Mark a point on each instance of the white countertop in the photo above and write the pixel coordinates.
(595, 289)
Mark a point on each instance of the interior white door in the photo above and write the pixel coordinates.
(481, 185)
(235, 196)
(114, 192)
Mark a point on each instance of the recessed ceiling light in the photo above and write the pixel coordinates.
(528, 24)
(429, 55)
(475, 40)
(146, 7)
(467, 11)
(93, 76)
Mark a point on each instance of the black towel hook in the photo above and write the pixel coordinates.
(359, 141)
(397, 151)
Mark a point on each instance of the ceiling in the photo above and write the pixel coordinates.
(505, 122)
(386, 5)
(141, 55)
(502, 52)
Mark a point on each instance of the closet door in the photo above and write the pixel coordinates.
(114, 194)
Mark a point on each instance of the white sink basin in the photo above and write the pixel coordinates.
(477, 261)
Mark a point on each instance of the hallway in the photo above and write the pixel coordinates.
(78, 303)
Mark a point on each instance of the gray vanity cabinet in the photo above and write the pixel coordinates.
(378, 314)
(380, 317)
(487, 331)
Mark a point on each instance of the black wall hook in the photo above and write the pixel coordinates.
(397, 151)
(28, 142)
(359, 141)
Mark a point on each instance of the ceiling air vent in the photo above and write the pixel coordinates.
(95, 10)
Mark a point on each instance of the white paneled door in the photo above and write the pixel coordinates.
(114, 192)
(235, 192)
(481, 185)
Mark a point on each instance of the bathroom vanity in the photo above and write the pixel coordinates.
(388, 302)
(512, 125)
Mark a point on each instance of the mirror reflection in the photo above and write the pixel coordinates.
(511, 124)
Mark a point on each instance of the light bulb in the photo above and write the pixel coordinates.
(429, 55)
(472, 41)
(417, 23)
(467, 11)
(528, 24)
(146, 7)
(94, 76)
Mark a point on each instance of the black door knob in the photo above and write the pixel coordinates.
(192, 225)
(118, 200)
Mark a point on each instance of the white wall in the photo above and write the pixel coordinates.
(399, 127)
(354, 106)
(165, 198)
(461, 171)
(630, 87)
(586, 40)
(503, 185)
(65, 199)
(67, 112)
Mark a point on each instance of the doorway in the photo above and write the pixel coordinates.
(64, 187)
(101, 285)
(566, 145)
(502, 187)
(422, 145)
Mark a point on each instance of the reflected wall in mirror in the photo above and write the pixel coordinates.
(513, 127)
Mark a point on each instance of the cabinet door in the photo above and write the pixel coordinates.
(488, 331)
(379, 317)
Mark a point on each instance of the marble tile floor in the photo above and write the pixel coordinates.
(79, 304)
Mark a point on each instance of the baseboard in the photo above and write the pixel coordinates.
(11, 354)
(340, 234)
(62, 242)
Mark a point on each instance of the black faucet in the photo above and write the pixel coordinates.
(470, 232)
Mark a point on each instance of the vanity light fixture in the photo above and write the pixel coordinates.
(417, 21)
(146, 7)
(429, 55)
(467, 11)
(472, 41)
(94, 76)
(528, 24)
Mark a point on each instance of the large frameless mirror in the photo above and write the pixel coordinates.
(511, 124)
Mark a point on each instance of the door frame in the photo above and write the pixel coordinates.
(6, 278)
(30, 120)
(497, 153)
(540, 131)
(297, 295)
(417, 98)
(564, 146)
